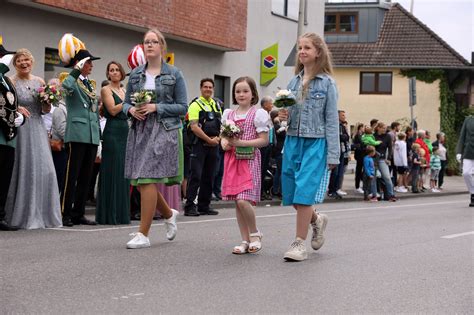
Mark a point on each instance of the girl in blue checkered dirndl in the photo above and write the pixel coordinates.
(312, 142)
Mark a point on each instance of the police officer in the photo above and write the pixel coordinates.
(204, 116)
(10, 119)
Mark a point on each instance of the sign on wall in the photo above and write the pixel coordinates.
(170, 58)
(268, 64)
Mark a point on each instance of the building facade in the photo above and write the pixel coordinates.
(221, 39)
(372, 42)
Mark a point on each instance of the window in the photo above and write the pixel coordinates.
(375, 83)
(287, 8)
(222, 89)
(53, 65)
(341, 23)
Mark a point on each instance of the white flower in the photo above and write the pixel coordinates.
(283, 93)
(147, 99)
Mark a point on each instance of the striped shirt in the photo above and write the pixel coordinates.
(435, 162)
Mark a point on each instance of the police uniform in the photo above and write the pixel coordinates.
(82, 139)
(8, 132)
(203, 157)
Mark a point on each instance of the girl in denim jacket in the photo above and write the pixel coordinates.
(154, 151)
(312, 144)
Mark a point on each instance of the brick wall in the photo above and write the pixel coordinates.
(218, 22)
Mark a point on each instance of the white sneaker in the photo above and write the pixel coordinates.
(435, 190)
(139, 241)
(402, 190)
(318, 231)
(360, 190)
(171, 226)
(341, 192)
(297, 251)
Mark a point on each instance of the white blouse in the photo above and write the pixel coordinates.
(261, 120)
(150, 82)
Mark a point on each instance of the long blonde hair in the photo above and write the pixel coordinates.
(323, 62)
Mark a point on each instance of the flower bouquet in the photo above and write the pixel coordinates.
(143, 97)
(49, 95)
(230, 130)
(284, 98)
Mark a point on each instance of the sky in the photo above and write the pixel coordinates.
(452, 20)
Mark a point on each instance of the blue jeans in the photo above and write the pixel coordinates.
(387, 179)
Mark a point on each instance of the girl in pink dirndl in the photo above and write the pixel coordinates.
(242, 177)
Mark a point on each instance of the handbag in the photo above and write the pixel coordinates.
(56, 145)
(244, 153)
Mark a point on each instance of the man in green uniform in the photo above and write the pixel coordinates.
(82, 138)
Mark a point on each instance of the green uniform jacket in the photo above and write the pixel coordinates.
(82, 123)
(466, 139)
(3, 141)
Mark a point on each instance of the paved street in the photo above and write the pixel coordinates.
(378, 258)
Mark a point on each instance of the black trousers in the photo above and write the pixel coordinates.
(441, 173)
(7, 159)
(60, 163)
(359, 171)
(78, 176)
(217, 185)
(202, 170)
(266, 153)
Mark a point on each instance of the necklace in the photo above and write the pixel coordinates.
(119, 92)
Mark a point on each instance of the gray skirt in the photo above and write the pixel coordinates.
(152, 151)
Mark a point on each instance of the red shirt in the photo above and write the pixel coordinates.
(427, 150)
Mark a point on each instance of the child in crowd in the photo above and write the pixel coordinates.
(423, 167)
(370, 181)
(415, 167)
(435, 166)
(242, 174)
(368, 137)
(401, 162)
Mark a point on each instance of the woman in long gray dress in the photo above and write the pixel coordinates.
(33, 197)
(154, 147)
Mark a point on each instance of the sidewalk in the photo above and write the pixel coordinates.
(453, 185)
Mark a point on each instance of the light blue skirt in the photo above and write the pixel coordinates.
(305, 175)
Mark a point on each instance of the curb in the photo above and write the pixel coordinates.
(90, 210)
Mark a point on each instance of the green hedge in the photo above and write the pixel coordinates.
(450, 119)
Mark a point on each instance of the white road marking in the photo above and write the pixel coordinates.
(391, 206)
(458, 235)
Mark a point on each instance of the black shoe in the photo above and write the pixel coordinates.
(472, 201)
(84, 221)
(4, 226)
(191, 213)
(135, 217)
(335, 196)
(209, 212)
(67, 222)
(216, 197)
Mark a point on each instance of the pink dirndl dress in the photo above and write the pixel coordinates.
(242, 178)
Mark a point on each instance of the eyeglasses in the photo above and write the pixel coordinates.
(151, 42)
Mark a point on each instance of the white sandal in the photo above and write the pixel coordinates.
(255, 246)
(241, 249)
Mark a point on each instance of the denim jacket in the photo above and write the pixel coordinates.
(170, 90)
(316, 116)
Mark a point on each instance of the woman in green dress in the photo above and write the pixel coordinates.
(113, 204)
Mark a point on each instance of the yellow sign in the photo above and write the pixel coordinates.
(170, 58)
